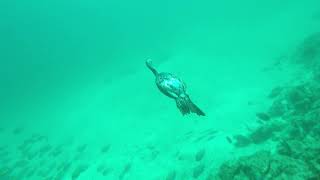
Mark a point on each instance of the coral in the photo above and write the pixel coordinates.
(292, 122)
(296, 99)
(263, 165)
(294, 132)
(308, 51)
(249, 167)
(278, 108)
(306, 123)
(265, 132)
(300, 98)
(292, 148)
(310, 121)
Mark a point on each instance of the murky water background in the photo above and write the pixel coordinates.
(77, 101)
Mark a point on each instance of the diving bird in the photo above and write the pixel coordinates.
(175, 88)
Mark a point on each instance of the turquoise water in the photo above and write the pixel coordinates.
(78, 102)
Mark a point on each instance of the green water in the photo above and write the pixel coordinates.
(78, 102)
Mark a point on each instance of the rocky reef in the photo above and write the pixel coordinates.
(292, 122)
(264, 165)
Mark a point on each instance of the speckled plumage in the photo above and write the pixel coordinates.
(173, 87)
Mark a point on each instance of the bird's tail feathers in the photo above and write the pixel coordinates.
(186, 106)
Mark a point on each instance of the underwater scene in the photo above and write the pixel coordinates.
(160, 90)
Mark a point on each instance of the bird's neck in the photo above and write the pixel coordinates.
(154, 71)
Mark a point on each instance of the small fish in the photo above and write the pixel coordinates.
(79, 170)
(200, 138)
(210, 132)
(18, 130)
(251, 103)
(229, 139)
(200, 154)
(125, 170)
(263, 116)
(81, 148)
(210, 138)
(106, 171)
(198, 170)
(105, 148)
(189, 133)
